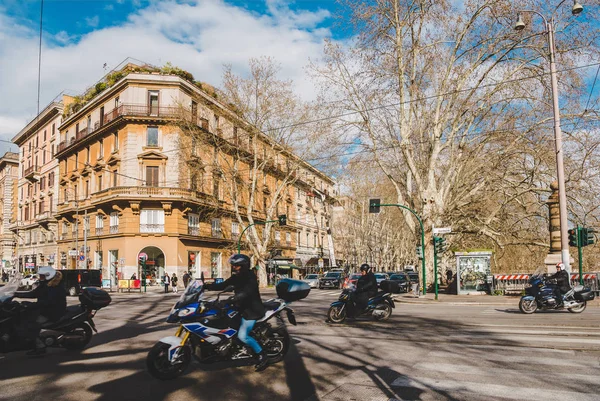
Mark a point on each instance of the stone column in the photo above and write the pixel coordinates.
(554, 256)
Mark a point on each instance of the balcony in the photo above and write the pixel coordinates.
(152, 228)
(32, 173)
(193, 230)
(216, 233)
(145, 193)
(114, 229)
(99, 231)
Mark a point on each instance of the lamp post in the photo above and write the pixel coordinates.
(560, 172)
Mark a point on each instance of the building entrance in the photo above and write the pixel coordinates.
(155, 265)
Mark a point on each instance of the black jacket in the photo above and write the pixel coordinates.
(562, 280)
(51, 298)
(367, 284)
(247, 296)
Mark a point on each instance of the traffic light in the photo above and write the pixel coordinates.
(439, 244)
(587, 236)
(374, 205)
(282, 219)
(573, 236)
(419, 252)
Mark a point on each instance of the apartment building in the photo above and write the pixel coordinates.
(9, 170)
(35, 225)
(134, 183)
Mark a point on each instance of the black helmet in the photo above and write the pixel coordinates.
(365, 268)
(240, 260)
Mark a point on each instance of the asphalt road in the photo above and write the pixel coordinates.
(424, 352)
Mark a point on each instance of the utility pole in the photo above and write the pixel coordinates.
(86, 227)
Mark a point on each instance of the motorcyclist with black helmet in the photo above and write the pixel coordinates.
(247, 299)
(51, 305)
(366, 287)
(562, 283)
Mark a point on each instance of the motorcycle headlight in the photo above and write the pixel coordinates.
(186, 312)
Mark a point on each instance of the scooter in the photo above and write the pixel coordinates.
(380, 307)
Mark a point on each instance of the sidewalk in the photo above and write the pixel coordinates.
(450, 299)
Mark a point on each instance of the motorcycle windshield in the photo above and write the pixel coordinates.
(8, 291)
(192, 293)
(540, 271)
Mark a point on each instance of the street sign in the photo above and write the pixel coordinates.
(72, 252)
(81, 258)
(143, 255)
(442, 230)
(122, 261)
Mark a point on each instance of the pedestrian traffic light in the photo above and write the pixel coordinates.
(419, 252)
(587, 236)
(573, 236)
(439, 244)
(282, 219)
(374, 205)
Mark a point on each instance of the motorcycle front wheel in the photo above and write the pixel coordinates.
(160, 367)
(527, 306)
(336, 314)
(578, 309)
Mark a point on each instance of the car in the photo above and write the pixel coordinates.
(312, 280)
(380, 277)
(75, 280)
(399, 282)
(333, 279)
(352, 280)
(29, 280)
(414, 277)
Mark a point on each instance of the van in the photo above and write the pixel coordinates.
(75, 280)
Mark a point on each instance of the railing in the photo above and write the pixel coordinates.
(145, 192)
(193, 230)
(114, 229)
(86, 232)
(216, 233)
(31, 170)
(137, 110)
(152, 228)
(99, 230)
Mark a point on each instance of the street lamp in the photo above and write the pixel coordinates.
(560, 172)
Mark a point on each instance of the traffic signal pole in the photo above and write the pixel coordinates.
(422, 240)
(435, 269)
(580, 253)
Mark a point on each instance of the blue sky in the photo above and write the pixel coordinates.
(81, 36)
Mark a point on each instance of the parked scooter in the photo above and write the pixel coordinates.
(73, 330)
(539, 294)
(380, 307)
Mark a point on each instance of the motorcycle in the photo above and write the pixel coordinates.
(539, 294)
(208, 330)
(72, 331)
(380, 307)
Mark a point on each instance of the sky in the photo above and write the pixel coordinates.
(84, 39)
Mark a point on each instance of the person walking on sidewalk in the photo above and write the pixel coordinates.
(448, 276)
(174, 282)
(186, 279)
(166, 282)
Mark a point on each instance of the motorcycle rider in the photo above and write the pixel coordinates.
(562, 283)
(51, 305)
(247, 299)
(366, 287)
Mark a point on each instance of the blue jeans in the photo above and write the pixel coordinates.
(244, 337)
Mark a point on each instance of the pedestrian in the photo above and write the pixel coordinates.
(186, 279)
(133, 277)
(449, 275)
(166, 282)
(174, 282)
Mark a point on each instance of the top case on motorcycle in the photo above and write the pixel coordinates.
(292, 290)
(94, 298)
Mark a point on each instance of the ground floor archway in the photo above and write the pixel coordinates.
(155, 264)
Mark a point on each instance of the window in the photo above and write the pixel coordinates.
(87, 189)
(194, 111)
(86, 225)
(101, 116)
(99, 224)
(151, 176)
(288, 238)
(235, 136)
(216, 228)
(277, 237)
(44, 135)
(115, 175)
(216, 189)
(51, 179)
(114, 222)
(52, 150)
(101, 152)
(44, 156)
(116, 102)
(53, 129)
(298, 240)
(315, 240)
(193, 224)
(152, 136)
(76, 128)
(87, 155)
(64, 231)
(89, 124)
(153, 102)
(152, 221)
(235, 230)
(50, 201)
(115, 141)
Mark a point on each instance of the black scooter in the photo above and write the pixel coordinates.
(73, 331)
(380, 307)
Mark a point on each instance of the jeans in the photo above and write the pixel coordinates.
(244, 337)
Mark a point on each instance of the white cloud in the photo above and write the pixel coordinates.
(93, 21)
(199, 37)
(109, 7)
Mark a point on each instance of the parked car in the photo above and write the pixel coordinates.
(414, 277)
(380, 277)
(29, 280)
(397, 283)
(312, 280)
(75, 280)
(333, 279)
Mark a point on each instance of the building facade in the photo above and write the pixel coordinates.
(9, 171)
(134, 183)
(35, 225)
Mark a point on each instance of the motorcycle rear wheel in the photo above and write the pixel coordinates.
(336, 314)
(528, 307)
(277, 345)
(160, 367)
(578, 309)
(387, 312)
(85, 331)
